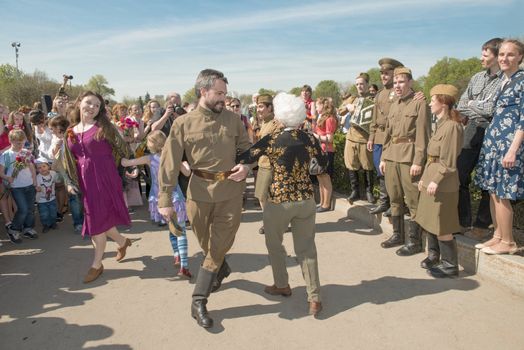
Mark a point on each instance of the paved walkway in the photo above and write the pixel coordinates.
(372, 298)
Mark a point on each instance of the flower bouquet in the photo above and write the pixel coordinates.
(127, 125)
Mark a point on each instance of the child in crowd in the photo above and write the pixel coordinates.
(45, 194)
(17, 121)
(18, 172)
(58, 126)
(155, 143)
(6, 201)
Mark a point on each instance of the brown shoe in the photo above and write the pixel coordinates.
(274, 290)
(478, 234)
(93, 274)
(315, 307)
(121, 251)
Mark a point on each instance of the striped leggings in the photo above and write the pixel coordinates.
(179, 245)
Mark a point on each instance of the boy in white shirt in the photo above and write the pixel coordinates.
(19, 174)
(45, 194)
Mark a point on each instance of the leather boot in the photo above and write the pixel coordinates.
(203, 285)
(222, 273)
(355, 187)
(368, 185)
(448, 266)
(398, 234)
(433, 252)
(413, 243)
(383, 199)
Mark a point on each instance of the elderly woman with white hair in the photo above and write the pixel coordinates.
(290, 196)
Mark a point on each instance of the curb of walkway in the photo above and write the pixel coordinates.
(506, 270)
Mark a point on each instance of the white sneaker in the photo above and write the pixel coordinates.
(30, 233)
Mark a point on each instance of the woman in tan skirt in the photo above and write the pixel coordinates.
(437, 211)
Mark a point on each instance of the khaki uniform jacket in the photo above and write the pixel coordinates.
(383, 102)
(268, 126)
(211, 142)
(443, 150)
(407, 118)
(356, 134)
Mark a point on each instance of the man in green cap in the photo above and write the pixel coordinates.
(383, 101)
(407, 132)
(268, 125)
(356, 154)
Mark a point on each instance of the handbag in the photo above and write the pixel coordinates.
(315, 168)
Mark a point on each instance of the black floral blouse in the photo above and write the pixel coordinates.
(289, 152)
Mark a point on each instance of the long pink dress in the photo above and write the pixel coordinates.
(100, 184)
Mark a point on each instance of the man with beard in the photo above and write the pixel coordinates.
(377, 129)
(210, 136)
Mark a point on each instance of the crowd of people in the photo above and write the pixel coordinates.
(190, 161)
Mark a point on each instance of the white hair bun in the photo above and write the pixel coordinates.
(289, 109)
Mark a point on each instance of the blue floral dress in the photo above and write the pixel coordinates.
(508, 118)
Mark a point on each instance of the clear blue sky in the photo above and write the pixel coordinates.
(160, 46)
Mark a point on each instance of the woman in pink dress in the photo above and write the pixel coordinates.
(93, 149)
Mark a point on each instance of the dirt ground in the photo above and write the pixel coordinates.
(372, 298)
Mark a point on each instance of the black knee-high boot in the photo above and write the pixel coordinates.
(203, 285)
(433, 252)
(448, 266)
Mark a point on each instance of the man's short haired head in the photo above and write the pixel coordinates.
(492, 45)
(206, 80)
(174, 97)
(402, 81)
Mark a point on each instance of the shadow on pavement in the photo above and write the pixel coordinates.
(54, 333)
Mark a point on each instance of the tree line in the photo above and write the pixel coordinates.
(18, 88)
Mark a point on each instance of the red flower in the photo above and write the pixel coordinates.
(71, 135)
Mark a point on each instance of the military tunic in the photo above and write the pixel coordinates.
(438, 214)
(210, 141)
(264, 175)
(408, 128)
(356, 154)
(383, 101)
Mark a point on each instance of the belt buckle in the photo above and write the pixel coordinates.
(220, 176)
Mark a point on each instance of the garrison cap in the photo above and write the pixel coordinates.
(403, 70)
(444, 89)
(265, 98)
(387, 63)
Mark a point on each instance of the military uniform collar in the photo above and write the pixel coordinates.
(407, 97)
(207, 112)
(442, 121)
(269, 117)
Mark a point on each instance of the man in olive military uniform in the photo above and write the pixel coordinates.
(377, 130)
(408, 128)
(356, 154)
(210, 136)
(268, 125)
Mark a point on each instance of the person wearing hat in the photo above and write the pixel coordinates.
(383, 102)
(437, 212)
(407, 133)
(268, 125)
(356, 154)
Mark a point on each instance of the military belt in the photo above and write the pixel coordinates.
(433, 159)
(403, 140)
(208, 175)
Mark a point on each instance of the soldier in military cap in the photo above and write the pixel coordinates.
(437, 210)
(356, 155)
(268, 125)
(407, 133)
(383, 101)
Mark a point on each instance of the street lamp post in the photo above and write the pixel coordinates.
(16, 45)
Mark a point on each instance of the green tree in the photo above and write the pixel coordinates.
(263, 91)
(147, 97)
(328, 88)
(296, 91)
(190, 96)
(374, 76)
(98, 83)
(140, 102)
(450, 71)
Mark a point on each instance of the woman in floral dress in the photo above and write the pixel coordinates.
(500, 170)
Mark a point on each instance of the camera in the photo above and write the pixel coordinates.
(178, 110)
(68, 77)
